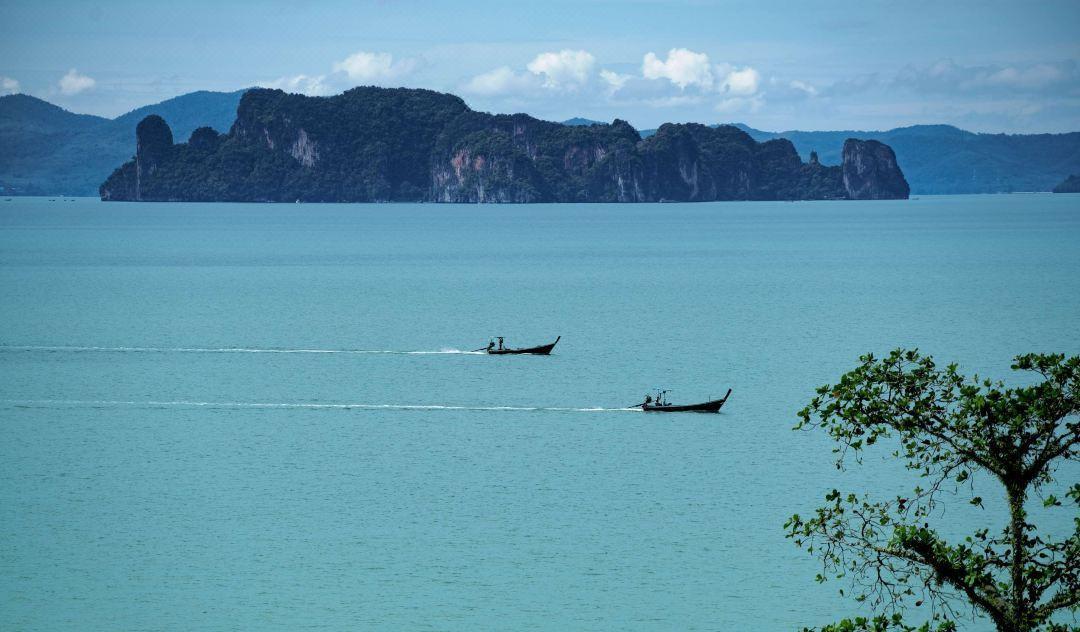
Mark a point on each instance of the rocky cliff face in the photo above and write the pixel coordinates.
(871, 173)
(521, 159)
(153, 144)
(374, 144)
(695, 163)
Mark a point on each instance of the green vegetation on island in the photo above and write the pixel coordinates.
(376, 144)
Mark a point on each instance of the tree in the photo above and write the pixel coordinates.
(949, 428)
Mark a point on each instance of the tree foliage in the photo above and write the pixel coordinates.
(949, 428)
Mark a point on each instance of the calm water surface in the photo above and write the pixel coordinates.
(196, 431)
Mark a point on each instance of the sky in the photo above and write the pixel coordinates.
(988, 66)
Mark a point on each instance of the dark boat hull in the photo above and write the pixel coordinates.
(706, 407)
(541, 350)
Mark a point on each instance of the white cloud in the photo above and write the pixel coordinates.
(74, 83)
(302, 84)
(374, 68)
(686, 68)
(614, 80)
(8, 85)
(502, 80)
(566, 68)
(802, 86)
(682, 67)
(741, 83)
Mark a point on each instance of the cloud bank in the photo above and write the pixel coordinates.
(374, 68)
(682, 77)
(566, 68)
(682, 67)
(691, 85)
(947, 77)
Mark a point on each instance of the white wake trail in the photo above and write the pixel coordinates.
(96, 403)
(77, 349)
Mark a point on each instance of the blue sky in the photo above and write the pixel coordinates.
(987, 66)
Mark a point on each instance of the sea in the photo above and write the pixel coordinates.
(271, 416)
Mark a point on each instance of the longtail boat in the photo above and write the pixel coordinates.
(502, 350)
(661, 405)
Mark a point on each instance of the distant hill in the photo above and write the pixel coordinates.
(188, 112)
(945, 159)
(577, 121)
(47, 150)
(377, 144)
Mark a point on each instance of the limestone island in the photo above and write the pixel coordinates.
(374, 144)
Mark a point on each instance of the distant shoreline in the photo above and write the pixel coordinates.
(913, 197)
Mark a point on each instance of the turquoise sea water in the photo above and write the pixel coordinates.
(208, 421)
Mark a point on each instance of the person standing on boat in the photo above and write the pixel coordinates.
(491, 345)
(500, 343)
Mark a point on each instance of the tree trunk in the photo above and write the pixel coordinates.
(1018, 608)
